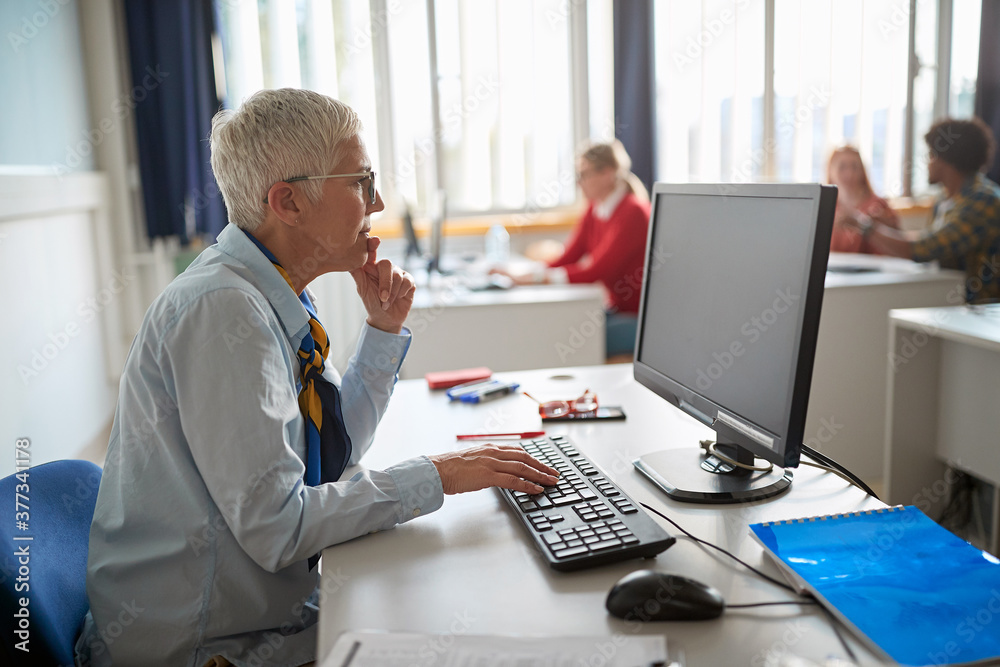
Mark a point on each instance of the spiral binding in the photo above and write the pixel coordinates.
(824, 517)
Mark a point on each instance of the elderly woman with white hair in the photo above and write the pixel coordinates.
(222, 480)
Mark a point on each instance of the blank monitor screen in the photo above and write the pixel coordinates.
(728, 323)
(728, 300)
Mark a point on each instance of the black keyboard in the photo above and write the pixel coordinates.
(585, 520)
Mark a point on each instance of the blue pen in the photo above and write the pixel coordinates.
(456, 393)
(491, 392)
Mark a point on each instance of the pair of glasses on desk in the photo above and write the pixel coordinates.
(585, 404)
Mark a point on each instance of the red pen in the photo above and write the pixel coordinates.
(488, 436)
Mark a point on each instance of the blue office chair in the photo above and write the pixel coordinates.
(60, 499)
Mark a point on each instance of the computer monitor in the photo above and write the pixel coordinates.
(410, 233)
(439, 213)
(728, 319)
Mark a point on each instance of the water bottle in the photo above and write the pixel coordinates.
(497, 245)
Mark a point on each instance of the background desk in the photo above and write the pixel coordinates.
(470, 568)
(943, 405)
(847, 404)
(536, 326)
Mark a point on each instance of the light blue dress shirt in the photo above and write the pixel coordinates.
(203, 525)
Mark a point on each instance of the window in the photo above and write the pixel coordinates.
(321, 45)
(964, 57)
(840, 70)
(709, 94)
(474, 97)
(840, 78)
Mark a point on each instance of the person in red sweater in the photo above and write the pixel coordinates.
(856, 201)
(608, 245)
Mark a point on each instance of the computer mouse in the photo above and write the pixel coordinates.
(647, 595)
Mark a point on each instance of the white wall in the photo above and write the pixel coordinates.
(73, 279)
(60, 294)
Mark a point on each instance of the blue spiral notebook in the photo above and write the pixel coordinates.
(917, 593)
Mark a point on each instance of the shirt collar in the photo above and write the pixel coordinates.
(291, 311)
(605, 208)
(971, 184)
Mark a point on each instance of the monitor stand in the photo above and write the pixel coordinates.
(694, 476)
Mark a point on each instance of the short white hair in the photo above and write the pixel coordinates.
(274, 135)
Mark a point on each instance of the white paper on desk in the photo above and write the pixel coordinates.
(790, 575)
(397, 649)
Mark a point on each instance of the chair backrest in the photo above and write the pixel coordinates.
(44, 559)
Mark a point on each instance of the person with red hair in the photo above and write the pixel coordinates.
(856, 201)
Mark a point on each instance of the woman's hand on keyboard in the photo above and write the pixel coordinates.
(506, 466)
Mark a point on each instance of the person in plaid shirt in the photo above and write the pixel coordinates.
(965, 233)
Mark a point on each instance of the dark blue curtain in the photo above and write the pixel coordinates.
(635, 85)
(988, 78)
(174, 99)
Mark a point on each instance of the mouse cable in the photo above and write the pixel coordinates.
(830, 470)
(826, 460)
(835, 624)
(833, 620)
(776, 582)
(768, 604)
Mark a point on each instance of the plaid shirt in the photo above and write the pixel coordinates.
(969, 240)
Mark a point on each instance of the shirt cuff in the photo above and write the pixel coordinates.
(382, 350)
(558, 276)
(924, 249)
(419, 487)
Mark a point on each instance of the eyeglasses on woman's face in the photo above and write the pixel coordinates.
(370, 177)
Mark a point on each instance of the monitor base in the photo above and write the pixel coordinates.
(680, 473)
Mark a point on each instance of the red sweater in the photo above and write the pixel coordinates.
(611, 251)
(848, 240)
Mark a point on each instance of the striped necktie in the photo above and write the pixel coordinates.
(319, 399)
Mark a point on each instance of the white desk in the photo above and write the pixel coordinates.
(847, 404)
(470, 567)
(523, 327)
(944, 407)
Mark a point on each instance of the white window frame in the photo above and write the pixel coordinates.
(942, 84)
(579, 90)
